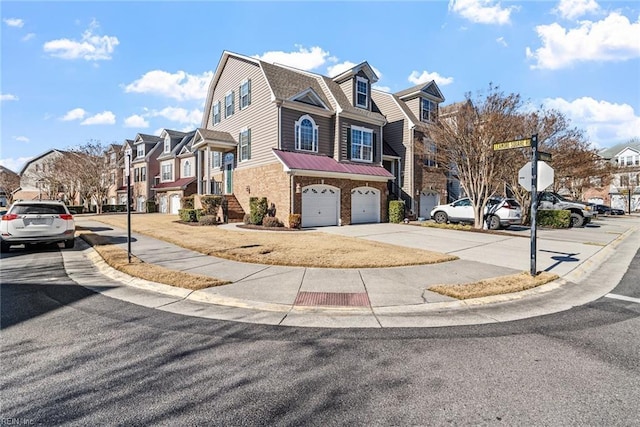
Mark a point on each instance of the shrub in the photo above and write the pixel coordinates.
(272, 210)
(246, 219)
(211, 204)
(553, 218)
(76, 208)
(151, 206)
(208, 220)
(271, 221)
(188, 215)
(295, 220)
(396, 211)
(188, 202)
(257, 209)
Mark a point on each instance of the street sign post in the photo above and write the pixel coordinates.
(518, 143)
(544, 156)
(546, 176)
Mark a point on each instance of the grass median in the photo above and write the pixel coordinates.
(494, 286)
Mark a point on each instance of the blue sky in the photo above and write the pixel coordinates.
(77, 71)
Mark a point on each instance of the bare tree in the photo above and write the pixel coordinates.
(9, 182)
(465, 138)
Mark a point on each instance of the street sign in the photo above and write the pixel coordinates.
(518, 143)
(545, 176)
(544, 156)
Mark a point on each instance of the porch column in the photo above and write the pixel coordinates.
(207, 160)
(199, 170)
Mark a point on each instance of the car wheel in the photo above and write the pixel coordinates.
(493, 222)
(4, 247)
(68, 244)
(440, 217)
(576, 220)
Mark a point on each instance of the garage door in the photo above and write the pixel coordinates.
(365, 205)
(164, 204)
(175, 204)
(428, 201)
(320, 205)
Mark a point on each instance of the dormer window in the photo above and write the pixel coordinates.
(306, 134)
(362, 92)
(140, 151)
(167, 143)
(429, 111)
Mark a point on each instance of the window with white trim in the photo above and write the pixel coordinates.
(216, 159)
(362, 92)
(229, 104)
(186, 169)
(429, 111)
(143, 173)
(245, 94)
(140, 151)
(167, 143)
(167, 172)
(245, 144)
(306, 134)
(216, 113)
(361, 144)
(430, 153)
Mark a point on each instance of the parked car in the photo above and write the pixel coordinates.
(605, 210)
(581, 213)
(37, 221)
(500, 212)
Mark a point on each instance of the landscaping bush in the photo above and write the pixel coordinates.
(246, 219)
(396, 211)
(257, 209)
(76, 208)
(208, 220)
(271, 221)
(151, 206)
(187, 202)
(189, 215)
(114, 208)
(211, 204)
(553, 218)
(295, 220)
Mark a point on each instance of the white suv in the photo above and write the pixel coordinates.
(500, 213)
(37, 221)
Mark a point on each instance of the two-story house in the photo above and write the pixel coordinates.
(624, 190)
(144, 168)
(39, 179)
(177, 177)
(114, 158)
(312, 145)
(409, 153)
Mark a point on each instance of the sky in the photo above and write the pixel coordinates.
(80, 71)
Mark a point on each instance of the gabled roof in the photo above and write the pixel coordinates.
(35, 159)
(7, 171)
(611, 152)
(318, 165)
(414, 121)
(146, 138)
(430, 90)
(363, 66)
(208, 136)
(178, 140)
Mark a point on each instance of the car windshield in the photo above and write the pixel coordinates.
(38, 209)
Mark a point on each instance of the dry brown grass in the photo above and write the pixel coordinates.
(117, 258)
(303, 248)
(495, 286)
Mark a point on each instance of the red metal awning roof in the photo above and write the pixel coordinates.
(180, 183)
(319, 163)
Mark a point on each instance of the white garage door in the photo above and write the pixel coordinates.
(140, 204)
(175, 204)
(365, 205)
(163, 204)
(428, 201)
(320, 205)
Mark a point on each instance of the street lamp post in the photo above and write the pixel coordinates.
(127, 172)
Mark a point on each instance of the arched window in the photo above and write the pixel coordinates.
(186, 172)
(306, 134)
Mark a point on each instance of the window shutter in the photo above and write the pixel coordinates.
(249, 93)
(297, 137)
(240, 97)
(249, 144)
(349, 143)
(233, 102)
(374, 149)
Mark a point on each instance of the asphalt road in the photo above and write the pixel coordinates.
(73, 357)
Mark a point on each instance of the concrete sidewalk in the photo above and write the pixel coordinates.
(371, 297)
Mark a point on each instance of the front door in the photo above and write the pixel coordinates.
(228, 173)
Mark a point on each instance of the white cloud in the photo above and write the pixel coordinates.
(14, 22)
(572, 9)
(21, 138)
(75, 114)
(612, 39)
(179, 115)
(28, 37)
(502, 41)
(15, 165)
(382, 88)
(8, 97)
(482, 11)
(334, 70)
(180, 85)
(418, 78)
(135, 121)
(605, 123)
(303, 59)
(90, 47)
(104, 118)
